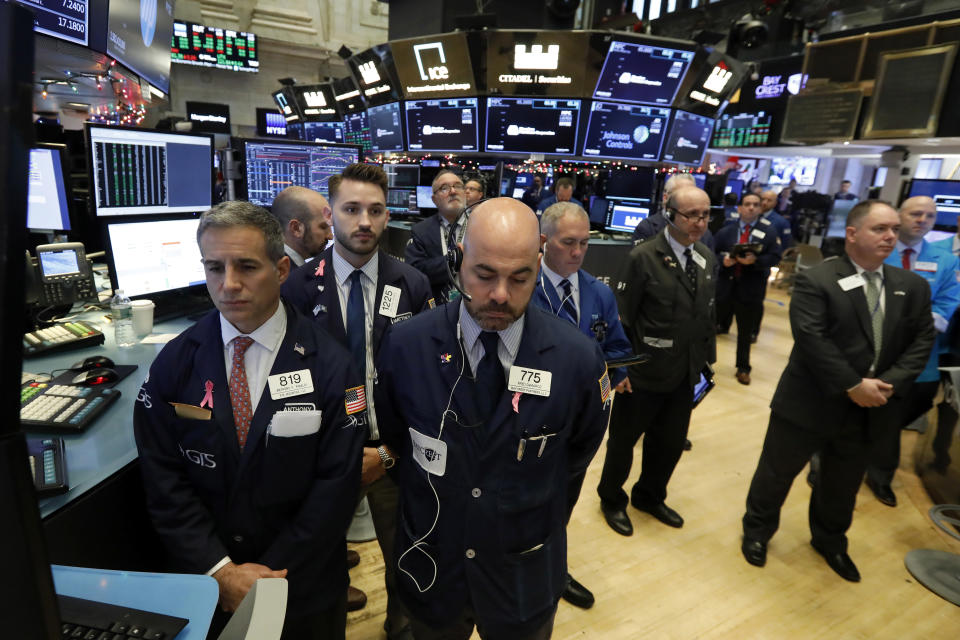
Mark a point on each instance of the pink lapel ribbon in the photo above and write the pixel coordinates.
(319, 271)
(208, 396)
(516, 401)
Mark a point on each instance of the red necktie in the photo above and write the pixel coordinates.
(905, 258)
(239, 391)
(745, 236)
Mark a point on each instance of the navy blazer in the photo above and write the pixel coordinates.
(499, 539)
(424, 252)
(650, 226)
(751, 284)
(284, 502)
(598, 313)
(313, 291)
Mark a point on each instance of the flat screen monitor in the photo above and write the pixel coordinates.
(356, 130)
(316, 102)
(386, 128)
(448, 124)
(532, 125)
(636, 72)
(271, 122)
(689, 138)
(518, 192)
(402, 175)
(209, 117)
(47, 208)
(537, 63)
(735, 186)
(837, 220)
(624, 214)
(627, 131)
(141, 171)
(425, 197)
(270, 166)
(204, 46)
(945, 194)
(139, 35)
(700, 179)
(803, 170)
(523, 180)
(598, 211)
(434, 66)
(742, 130)
(402, 202)
(287, 104)
(82, 22)
(375, 74)
(324, 132)
(154, 256)
(630, 183)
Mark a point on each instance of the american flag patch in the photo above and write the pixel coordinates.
(604, 387)
(355, 399)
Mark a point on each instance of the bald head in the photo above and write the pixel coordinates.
(501, 258)
(690, 209)
(301, 213)
(917, 217)
(768, 200)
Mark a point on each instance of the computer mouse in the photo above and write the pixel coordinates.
(93, 362)
(93, 377)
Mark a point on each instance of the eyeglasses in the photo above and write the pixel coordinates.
(472, 188)
(447, 188)
(704, 217)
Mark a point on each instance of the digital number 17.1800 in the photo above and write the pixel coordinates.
(72, 25)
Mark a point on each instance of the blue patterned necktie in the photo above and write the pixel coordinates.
(567, 305)
(356, 324)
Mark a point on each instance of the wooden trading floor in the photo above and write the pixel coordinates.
(693, 582)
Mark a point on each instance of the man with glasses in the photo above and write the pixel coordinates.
(473, 191)
(429, 240)
(666, 302)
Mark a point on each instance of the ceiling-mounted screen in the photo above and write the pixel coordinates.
(347, 95)
(316, 102)
(386, 127)
(435, 66)
(204, 46)
(946, 197)
(689, 138)
(271, 123)
(536, 63)
(139, 33)
(636, 72)
(532, 125)
(742, 130)
(375, 76)
(633, 132)
(287, 104)
(323, 132)
(442, 125)
(209, 117)
(803, 170)
(356, 130)
(69, 20)
(711, 82)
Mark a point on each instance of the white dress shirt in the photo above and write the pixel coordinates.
(678, 249)
(507, 346)
(555, 279)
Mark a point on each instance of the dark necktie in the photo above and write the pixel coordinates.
(690, 268)
(490, 379)
(905, 258)
(567, 306)
(744, 239)
(357, 323)
(239, 390)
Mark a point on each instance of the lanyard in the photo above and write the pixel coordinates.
(461, 231)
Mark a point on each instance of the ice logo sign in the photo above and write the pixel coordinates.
(148, 20)
(436, 72)
(536, 57)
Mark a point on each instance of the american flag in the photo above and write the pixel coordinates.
(355, 399)
(604, 387)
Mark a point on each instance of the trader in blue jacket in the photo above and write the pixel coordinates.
(939, 267)
(570, 293)
(247, 430)
(390, 292)
(496, 409)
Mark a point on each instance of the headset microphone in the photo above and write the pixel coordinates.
(454, 255)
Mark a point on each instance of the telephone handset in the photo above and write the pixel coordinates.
(61, 275)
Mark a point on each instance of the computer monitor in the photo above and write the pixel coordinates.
(630, 183)
(139, 37)
(624, 214)
(356, 130)
(803, 170)
(637, 72)
(837, 218)
(598, 211)
(402, 201)
(402, 175)
(742, 130)
(532, 125)
(324, 132)
(425, 197)
(946, 196)
(626, 131)
(449, 124)
(47, 208)
(735, 186)
(271, 122)
(689, 138)
(270, 166)
(142, 171)
(386, 128)
(154, 256)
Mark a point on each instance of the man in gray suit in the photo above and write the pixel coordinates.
(862, 333)
(666, 302)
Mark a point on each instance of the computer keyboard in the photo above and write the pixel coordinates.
(48, 465)
(60, 407)
(61, 337)
(91, 620)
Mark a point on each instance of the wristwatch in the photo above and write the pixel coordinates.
(385, 458)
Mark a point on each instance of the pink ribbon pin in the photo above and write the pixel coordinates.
(516, 401)
(208, 396)
(319, 271)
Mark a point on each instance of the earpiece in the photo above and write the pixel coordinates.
(455, 253)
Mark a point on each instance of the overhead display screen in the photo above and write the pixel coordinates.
(536, 63)
(138, 33)
(946, 197)
(64, 19)
(532, 125)
(442, 125)
(689, 138)
(323, 132)
(287, 104)
(742, 130)
(633, 132)
(712, 80)
(316, 102)
(434, 67)
(386, 129)
(637, 72)
(347, 95)
(209, 117)
(204, 46)
(356, 130)
(374, 73)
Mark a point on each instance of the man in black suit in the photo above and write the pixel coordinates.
(862, 333)
(429, 240)
(742, 282)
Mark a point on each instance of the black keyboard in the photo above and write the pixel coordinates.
(48, 464)
(62, 408)
(90, 620)
(61, 337)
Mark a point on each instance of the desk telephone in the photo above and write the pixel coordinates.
(60, 275)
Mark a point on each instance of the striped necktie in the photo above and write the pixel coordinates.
(567, 306)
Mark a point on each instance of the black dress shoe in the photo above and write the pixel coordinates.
(577, 594)
(754, 551)
(617, 519)
(883, 492)
(841, 563)
(687, 445)
(353, 558)
(663, 513)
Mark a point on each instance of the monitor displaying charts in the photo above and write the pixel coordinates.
(154, 256)
(742, 130)
(632, 132)
(323, 132)
(624, 214)
(356, 130)
(638, 72)
(448, 124)
(532, 125)
(270, 166)
(689, 138)
(386, 129)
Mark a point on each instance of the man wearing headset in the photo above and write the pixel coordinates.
(569, 292)
(495, 408)
(666, 301)
(429, 240)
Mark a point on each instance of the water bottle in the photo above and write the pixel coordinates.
(121, 312)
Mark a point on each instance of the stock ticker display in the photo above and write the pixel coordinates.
(130, 175)
(271, 167)
(742, 130)
(213, 47)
